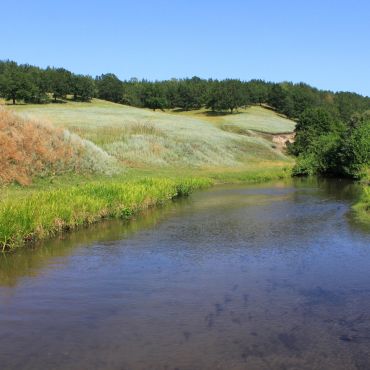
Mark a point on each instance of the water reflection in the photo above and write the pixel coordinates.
(28, 261)
(262, 277)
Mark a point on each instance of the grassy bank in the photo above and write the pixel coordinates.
(45, 209)
(362, 207)
(44, 213)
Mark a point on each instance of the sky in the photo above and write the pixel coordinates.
(324, 43)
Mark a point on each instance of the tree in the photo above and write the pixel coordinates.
(303, 96)
(277, 98)
(60, 82)
(350, 103)
(226, 95)
(38, 88)
(187, 96)
(83, 88)
(258, 91)
(152, 96)
(313, 123)
(327, 146)
(355, 147)
(156, 102)
(14, 83)
(109, 87)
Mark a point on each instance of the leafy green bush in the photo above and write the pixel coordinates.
(355, 150)
(325, 145)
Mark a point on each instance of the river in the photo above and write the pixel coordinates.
(272, 276)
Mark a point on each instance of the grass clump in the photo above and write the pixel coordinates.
(362, 207)
(30, 148)
(43, 214)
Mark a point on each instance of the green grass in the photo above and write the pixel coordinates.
(143, 138)
(50, 207)
(362, 207)
(44, 213)
(255, 118)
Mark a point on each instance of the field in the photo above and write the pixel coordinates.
(142, 138)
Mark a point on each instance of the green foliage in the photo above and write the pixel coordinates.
(362, 207)
(15, 84)
(226, 95)
(305, 165)
(109, 87)
(188, 96)
(38, 85)
(325, 145)
(277, 97)
(313, 123)
(355, 149)
(60, 82)
(348, 103)
(321, 157)
(155, 102)
(152, 96)
(83, 88)
(258, 91)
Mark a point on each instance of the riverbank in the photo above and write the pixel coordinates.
(47, 208)
(362, 207)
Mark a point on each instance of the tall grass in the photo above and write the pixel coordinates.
(362, 207)
(142, 138)
(45, 213)
(30, 148)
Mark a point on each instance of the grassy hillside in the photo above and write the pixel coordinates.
(140, 137)
(255, 118)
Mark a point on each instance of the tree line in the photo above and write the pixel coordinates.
(31, 84)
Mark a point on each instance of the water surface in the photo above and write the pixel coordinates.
(271, 276)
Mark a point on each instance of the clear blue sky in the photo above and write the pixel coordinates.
(325, 43)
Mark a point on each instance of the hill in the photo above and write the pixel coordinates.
(140, 137)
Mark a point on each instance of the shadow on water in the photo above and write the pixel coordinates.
(272, 276)
(28, 261)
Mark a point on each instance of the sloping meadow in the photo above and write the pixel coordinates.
(139, 137)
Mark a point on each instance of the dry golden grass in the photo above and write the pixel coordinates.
(30, 148)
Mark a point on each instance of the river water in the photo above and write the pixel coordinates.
(273, 276)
